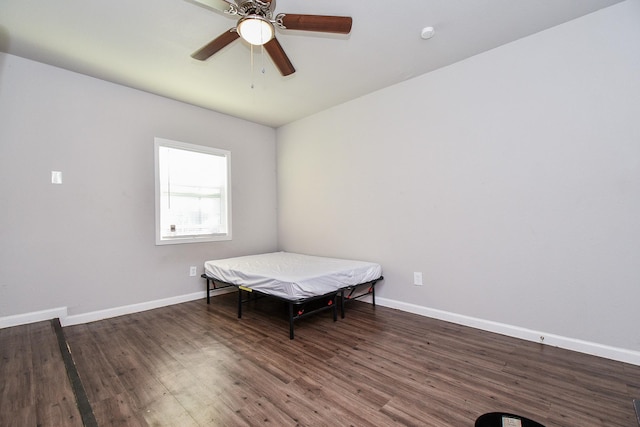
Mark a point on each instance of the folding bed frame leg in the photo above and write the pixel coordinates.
(239, 303)
(373, 293)
(290, 321)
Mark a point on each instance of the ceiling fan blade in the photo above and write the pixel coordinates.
(320, 23)
(221, 5)
(215, 45)
(275, 51)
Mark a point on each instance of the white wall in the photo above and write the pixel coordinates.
(511, 180)
(89, 244)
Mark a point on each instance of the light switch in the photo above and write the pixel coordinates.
(56, 177)
(417, 278)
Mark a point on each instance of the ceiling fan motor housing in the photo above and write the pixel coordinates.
(255, 7)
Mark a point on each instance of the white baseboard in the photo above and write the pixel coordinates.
(36, 316)
(77, 319)
(594, 349)
(93, 316)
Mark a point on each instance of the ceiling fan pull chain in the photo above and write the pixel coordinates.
(251, 66)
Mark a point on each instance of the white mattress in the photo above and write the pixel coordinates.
(292, 276)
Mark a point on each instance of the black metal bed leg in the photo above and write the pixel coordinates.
(208, 292)
(335, 308)
(290, 320)
(239, 303)
(373, 293)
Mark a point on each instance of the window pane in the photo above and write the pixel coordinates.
(192, 185)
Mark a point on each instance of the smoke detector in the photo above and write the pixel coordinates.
(427, 32)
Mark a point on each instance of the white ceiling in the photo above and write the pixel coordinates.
(146, 44)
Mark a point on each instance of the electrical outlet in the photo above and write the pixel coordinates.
(193, 270)
(417, 278)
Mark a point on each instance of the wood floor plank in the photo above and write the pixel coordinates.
(55, 406)
(34, 386)
(103, 383)
(25, 416)
(17, 390)
(197, 364)
(198, 394)
(167, 410)
(61, 412)
(116, 411)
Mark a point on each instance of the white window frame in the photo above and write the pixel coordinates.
(160, 240)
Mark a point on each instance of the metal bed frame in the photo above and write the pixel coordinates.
(296, 307)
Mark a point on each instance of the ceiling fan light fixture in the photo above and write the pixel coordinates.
(255, 29)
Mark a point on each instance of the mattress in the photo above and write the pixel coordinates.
(292, 276)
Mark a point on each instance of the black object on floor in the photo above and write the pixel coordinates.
(636, 404)
(499, 419)
(88, 419)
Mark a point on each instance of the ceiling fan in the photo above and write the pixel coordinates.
(257, 26)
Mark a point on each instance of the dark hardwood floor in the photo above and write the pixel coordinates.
(34, 386)
(197, 365)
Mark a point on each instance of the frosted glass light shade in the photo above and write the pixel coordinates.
(255, 29)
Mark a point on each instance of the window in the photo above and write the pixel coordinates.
(193, 202)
